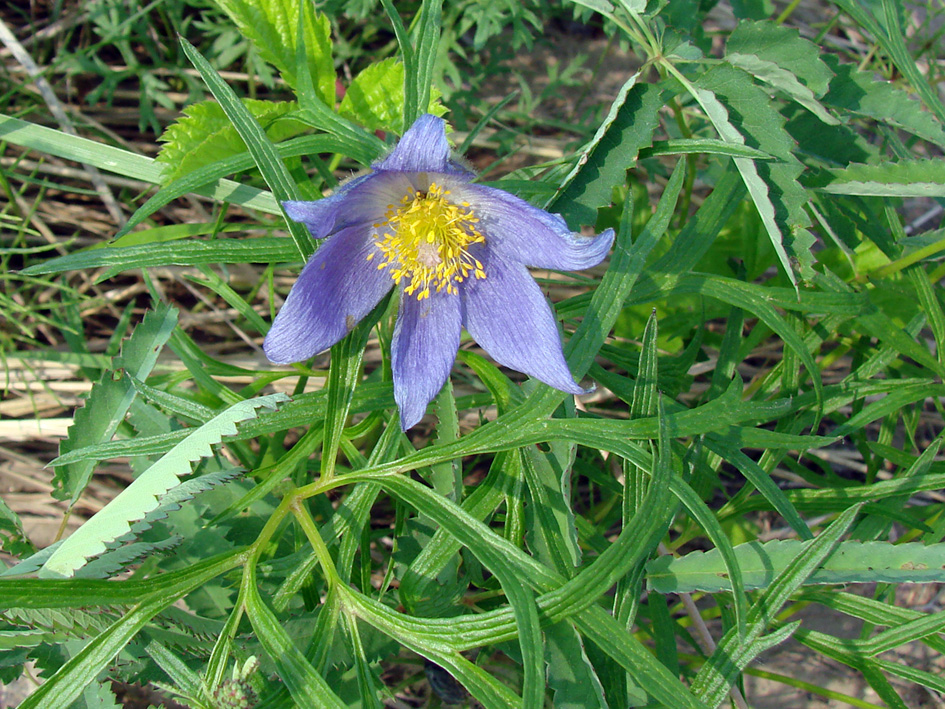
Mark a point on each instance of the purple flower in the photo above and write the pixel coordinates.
(458, 252)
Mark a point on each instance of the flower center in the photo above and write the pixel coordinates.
(424, 242)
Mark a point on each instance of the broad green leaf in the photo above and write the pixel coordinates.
(782, 46)
(783, 80)
(375, 98)
(143, 495)
(602, 6)
(204, 134)
(272, 26)
(852, 562)
(906, 178)
(603, 162)
(111, 397)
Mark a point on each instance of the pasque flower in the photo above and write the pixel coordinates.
(457, 251)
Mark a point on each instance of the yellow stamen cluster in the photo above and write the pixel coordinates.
(424, 242)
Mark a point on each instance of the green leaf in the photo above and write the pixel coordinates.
(783, 80)
(736, 650)
(204, 134)
(142, 496)
(343, 376)
(154, 595)
(111, 397)
(375, 98)
(264, 153)
(861, 93)
(747, 114)
(115, 560)
(117, 259)
(570, 674)
(304, 683)
(603, 162)
(272, 26)
(123, 162)
(906, 178)
(852, 562)
(552, 534)
(782, 46)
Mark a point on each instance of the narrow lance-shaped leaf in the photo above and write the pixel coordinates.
(601, 165)
(110, 398)
(852, 562)
(142, 496)
(906, 178)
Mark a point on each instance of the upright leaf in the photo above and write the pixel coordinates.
(111, 397)
(601, 165)
(272, 26)
(747, 116)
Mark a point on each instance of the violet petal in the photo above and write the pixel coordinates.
(424, 148)
(337, 287)
(363, 200)
(520, 232)
(507, 314)
(426, 338)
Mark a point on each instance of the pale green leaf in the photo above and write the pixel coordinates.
(783, 80)
(852, 562)
(142, 496)
(782, 46)
(375, 98)
(204, 134)
(907, 178)
(123, 162)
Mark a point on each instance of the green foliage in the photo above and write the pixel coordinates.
(375, 97)
(852, 562)
(767, 339)
(204, 135)
(272, 27)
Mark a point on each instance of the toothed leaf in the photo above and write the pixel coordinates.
(204, 134)
(110, 398)
(142, 496)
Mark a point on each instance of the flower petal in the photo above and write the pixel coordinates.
(426, 338)
(508, 315)
(424, 148)
(363, 200)
(520, 232)
(337, 287)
